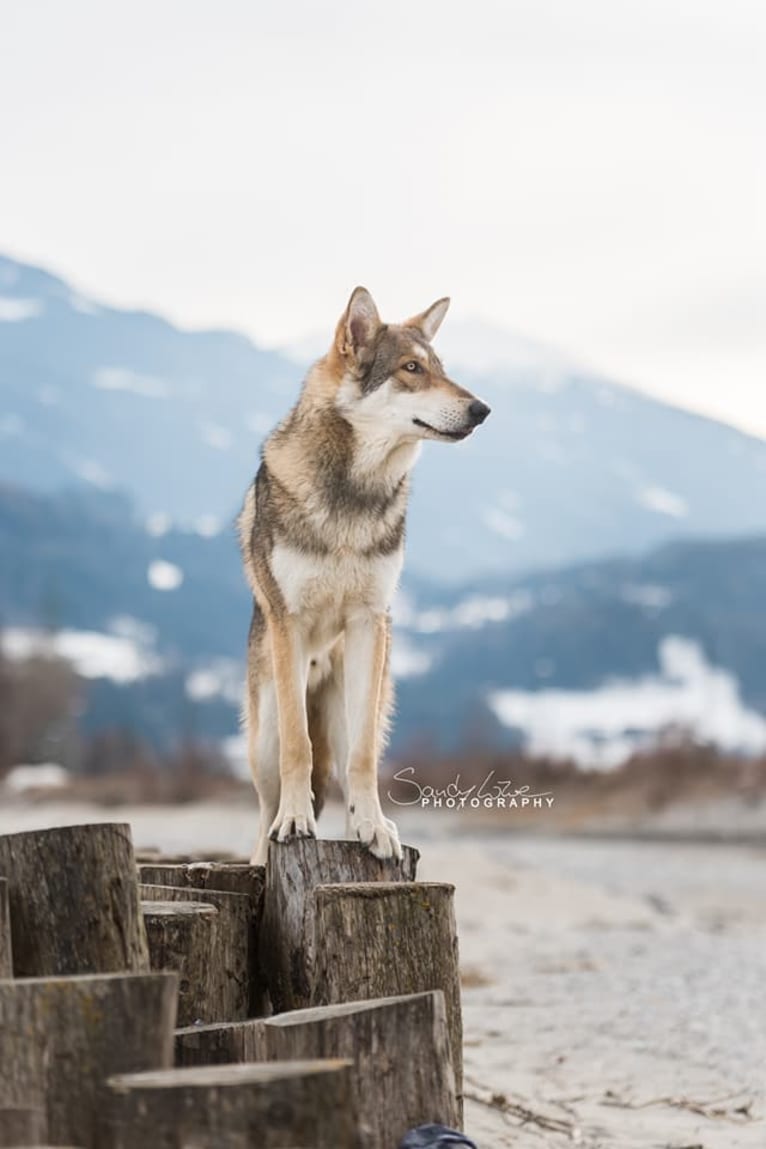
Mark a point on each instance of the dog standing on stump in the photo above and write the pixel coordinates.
(322, 536)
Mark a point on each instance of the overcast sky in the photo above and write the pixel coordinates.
(587, 172)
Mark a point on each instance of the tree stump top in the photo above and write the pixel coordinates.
(417, 891)
(178, 909)
(120, 828)
(94, 979)
(221, 1076)
(342, 1009)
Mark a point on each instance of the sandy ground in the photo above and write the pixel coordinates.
(615, 989)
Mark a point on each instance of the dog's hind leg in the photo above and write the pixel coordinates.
(263, 754)
(326, 706)
(262, 728)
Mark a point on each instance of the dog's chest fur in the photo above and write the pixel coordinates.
(325, 591)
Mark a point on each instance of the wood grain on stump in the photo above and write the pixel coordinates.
(399, 1049)
(6, 960)
(231, 958)
(271, 1106)
(225, 1043)
(182, 937)
(22, 1126)
(294, 871)
(60, 1038)
(382, 939)
(232, 877)
(74, 904)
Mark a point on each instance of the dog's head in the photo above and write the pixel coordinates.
(391, 377)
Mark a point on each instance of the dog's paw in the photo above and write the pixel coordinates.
(378, 833)
(293, 822)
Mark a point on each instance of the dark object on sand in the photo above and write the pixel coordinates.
(434, 1137)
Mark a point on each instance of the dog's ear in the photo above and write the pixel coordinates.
(359, 324)
(430, 320)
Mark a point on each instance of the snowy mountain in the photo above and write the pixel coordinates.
(567, 467)
(588, 661)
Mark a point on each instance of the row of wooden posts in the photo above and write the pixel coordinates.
(166, 1004)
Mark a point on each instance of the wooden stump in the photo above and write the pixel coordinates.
(226, 1043)
(60, 1037)
(182, 937)
(294, 871)
(6, 960)
(274, 1106)
(399, 1049)
(22, 1126)
(74, 903)
(235, 877)
(232, 877)
(381, 939)
(231, 960)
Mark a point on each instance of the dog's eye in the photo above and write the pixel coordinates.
(413, 366)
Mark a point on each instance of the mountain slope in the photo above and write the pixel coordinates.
(568, 466)
(588, 660)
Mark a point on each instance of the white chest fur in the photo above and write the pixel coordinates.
(332, 587)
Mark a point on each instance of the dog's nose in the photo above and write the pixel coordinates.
(478, 411)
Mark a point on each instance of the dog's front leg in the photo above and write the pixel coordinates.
(366, 640)
(295, 816)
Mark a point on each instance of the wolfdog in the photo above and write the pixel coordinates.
(322, 537)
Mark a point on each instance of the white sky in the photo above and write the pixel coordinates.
(589, 172)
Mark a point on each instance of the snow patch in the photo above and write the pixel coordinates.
(91, 653)
(502, 523)
(163, 575)
(93, 472)
(125, 626)
(471, 613)
(602, 727)
(223, 678)
(124, 379)
(662, 501)
(647, 595)
(216, 436)
(158, 524)
(39, 776)
(258, 422)
(406, 660)
(16, 310)
(84, 306)
(208, 526)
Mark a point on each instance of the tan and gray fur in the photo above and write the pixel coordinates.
(322, 536)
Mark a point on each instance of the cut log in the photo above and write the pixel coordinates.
(182, 937)
(226, 1043)
(60, 1038)
(233, 877)
(74, 903)
(399, 1048)
(274, 1106)
(382, 939)
(22, 1126)
(6, 960)
(231, 960)
(294, 871)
